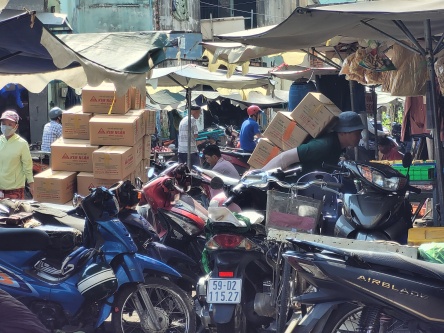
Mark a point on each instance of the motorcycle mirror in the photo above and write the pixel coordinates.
(150, 173)
(138, 182)
(407, 160)
(216, 183)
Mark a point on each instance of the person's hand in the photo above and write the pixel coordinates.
(31, 188)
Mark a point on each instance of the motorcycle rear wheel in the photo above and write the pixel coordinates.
(174, 308)
(237, 324)
(346, 319)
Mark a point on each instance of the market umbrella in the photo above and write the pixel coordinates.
(191, 76)
(394, 20)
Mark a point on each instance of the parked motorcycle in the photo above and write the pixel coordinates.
(380, 209)
(104, 277)
(366, 291)
(243, 288)
(177, 218)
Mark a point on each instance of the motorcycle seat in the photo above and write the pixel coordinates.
(398, 261)
(227, 180)
(18, 239)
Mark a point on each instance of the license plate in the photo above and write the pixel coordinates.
(224, 291)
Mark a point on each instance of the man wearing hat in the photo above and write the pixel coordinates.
(325, 149)
(52, 130)
(15, 161)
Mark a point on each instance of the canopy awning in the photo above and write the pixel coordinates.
(311, 27)
(176, 100)
(189, 76)
(28, 49)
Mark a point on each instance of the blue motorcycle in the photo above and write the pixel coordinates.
(105, 277)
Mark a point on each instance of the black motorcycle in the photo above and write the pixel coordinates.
(366, 291)
(380, 209)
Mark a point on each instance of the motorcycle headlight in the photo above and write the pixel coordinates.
(379, 180)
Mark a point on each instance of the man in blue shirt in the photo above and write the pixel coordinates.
(250, 129)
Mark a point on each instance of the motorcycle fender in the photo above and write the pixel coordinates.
(104, 311)
(315, 320)
(343, 228)
(155, 265)
(132, 267)
(222, 313)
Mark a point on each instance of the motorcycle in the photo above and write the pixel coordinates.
(242, 289)
(380, 209)
(251, 193)
(176, 217)
(104, 277)
(366, 291)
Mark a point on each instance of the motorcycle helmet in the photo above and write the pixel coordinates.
(54, 113)
(100, 203)
(98, 281)
(253, 110)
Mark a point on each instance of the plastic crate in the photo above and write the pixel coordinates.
(421, 235)
(423, 171)
(291, 212)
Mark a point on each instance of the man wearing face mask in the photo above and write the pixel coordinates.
(15, 161)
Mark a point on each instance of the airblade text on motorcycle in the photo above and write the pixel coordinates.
(390, 286)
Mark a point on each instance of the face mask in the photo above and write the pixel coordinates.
(7, 130)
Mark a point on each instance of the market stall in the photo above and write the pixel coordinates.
(392, 20)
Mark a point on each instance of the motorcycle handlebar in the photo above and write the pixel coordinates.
(414, 189)
(331, 166)
(228, 202)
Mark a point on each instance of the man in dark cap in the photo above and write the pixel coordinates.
(325, 149)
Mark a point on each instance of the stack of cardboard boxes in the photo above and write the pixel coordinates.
(105, 140)
(314, 115)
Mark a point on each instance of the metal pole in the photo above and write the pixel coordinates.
(375, 119)
(430, 57)
(188, 91)
(211, 27)
(251, 20)
(231, 8)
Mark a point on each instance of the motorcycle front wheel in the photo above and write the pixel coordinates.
(172, 306)
(346, 318)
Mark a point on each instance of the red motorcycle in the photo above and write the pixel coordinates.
(177, 218)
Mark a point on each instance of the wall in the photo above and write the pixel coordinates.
(38, 114)
(273, 12)
(189, 18)
(109, 16)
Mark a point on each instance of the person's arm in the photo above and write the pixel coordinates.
(27, 166)
(283, 160)
(257, 131)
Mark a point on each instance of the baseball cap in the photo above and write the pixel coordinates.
(10, 115)
(348, 121)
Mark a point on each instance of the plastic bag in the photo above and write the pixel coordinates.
(432, 252)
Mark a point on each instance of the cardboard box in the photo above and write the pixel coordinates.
(151, 122)
(146, 147)
(76, 123)
(284, 132)
(315, 113)
(263, 153)
(138, 151)
(143, 119)
(72, 155)
(135, 98)
(115, 130)
(54, 186)
(103, 99)
(113, 162)
(86, 180)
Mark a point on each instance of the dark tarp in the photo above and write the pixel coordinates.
(32, 56)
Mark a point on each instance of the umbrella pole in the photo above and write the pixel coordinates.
(430, 57)
(188, 92)
(375, 119)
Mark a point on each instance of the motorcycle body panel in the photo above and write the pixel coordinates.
(403, 288)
